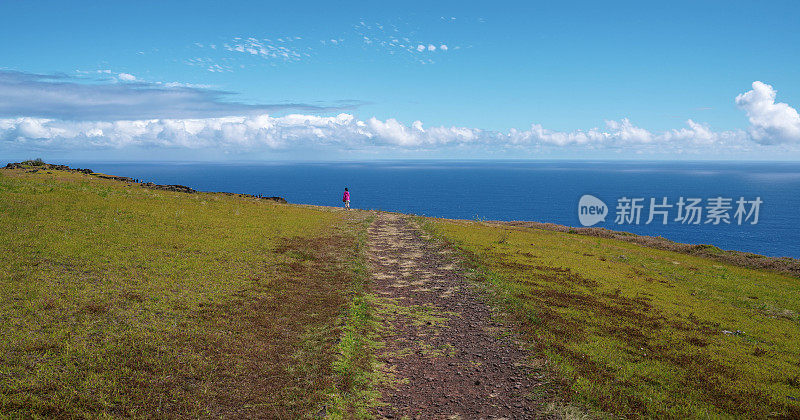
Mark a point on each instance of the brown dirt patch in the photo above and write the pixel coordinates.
(265, 353)
(444, 347)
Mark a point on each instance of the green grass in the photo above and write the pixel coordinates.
(122, 301)
(354, 393)
(638, 332)
(117, 300)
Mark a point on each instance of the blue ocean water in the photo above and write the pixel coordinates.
(544, 191)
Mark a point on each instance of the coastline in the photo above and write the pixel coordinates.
(217, 282)
(34, 166)
(784, 265)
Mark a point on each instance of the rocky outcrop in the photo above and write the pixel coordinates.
(259, 197)
(38, 165)
(275, 198)
(176, 188)
(116, 178)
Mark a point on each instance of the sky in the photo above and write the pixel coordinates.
(321, 80)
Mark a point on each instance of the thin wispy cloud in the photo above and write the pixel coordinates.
(333, 41)
(400, 39)
(281, 49)
(63, 97)
(211, 65)
(394, 39)
(242, 52)
(107, 75)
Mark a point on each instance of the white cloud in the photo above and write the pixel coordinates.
(63, 97)
(126, 77)
(698, 133)
(265, 48)
(344, 131)
(770, 122)
(391, 40)
(627, 132)
(102, 71)
(209, 64)
(260, 131)
(230, 133)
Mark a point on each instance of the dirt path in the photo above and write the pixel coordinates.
(443, 347)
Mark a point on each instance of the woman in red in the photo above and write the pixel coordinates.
(346, 199)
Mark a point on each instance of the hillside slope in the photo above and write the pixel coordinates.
(639, 331)
(122, 300)
(118, 299)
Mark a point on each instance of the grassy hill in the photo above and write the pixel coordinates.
(638, 331)
(118, 299)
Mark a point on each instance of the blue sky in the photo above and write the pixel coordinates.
(528, 79)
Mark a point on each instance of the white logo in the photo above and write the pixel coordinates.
(687, 210)
(591, 210)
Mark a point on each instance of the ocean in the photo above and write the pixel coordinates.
(543, 191)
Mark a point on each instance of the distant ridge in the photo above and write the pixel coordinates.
(785, 265)
(39, 165)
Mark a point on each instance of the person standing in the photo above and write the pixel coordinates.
(346, 199)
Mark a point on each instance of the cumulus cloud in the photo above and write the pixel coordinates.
(62, 97)
(259, 131)
(770, 122)
(239, 133)
(344, 131)
(697, 133)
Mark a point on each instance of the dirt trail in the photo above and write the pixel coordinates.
(443, 347)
